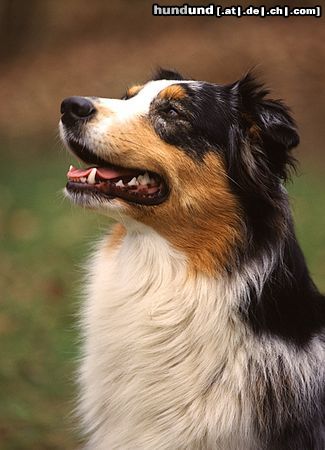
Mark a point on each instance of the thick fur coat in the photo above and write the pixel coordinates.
(202, 328)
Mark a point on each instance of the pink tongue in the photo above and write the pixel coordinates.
(103, 172)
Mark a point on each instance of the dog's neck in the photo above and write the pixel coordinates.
(146, 318)
(163, 344)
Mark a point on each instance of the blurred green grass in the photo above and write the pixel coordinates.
(44, 243)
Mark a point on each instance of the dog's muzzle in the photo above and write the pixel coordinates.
(75, 109)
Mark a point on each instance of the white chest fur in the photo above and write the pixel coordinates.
(164, 354)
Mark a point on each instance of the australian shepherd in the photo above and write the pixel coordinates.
(202, 327)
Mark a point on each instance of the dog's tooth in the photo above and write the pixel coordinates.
(133, 182)
(152, 181)
(83, 179)
(120, 183)
(92, 176)
(70, 168)
(144, 179)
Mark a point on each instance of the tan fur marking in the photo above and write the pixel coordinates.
(201, 217)
(254, 132)
(203, 221)
(116, 236)
(133, 90)
(175, 91)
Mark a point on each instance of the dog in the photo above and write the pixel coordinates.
(202, 327)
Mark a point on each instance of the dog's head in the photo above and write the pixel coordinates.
(201, 163)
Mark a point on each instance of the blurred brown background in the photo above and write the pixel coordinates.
(53, 49)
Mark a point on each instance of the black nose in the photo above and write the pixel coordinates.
(76, 108)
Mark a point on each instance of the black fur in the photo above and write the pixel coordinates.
(290, 306)
(166, 74)
(255, 136)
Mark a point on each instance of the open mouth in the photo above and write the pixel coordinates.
(110, 181)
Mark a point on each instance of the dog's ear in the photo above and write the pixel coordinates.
(267, 122)
(166, 74)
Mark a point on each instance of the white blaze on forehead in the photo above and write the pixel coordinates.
(140, 103)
